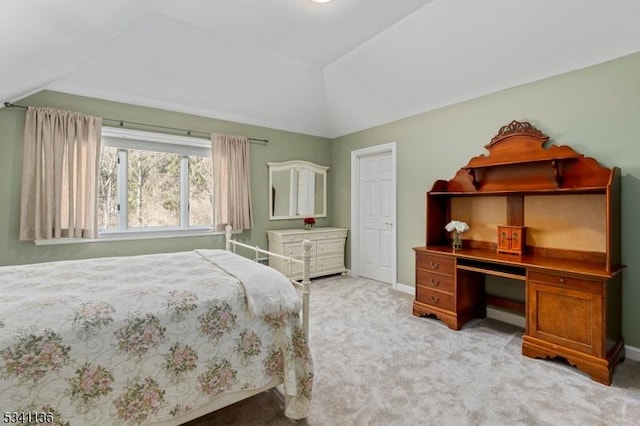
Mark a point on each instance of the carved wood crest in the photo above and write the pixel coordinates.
(517, 128)
(517, 158)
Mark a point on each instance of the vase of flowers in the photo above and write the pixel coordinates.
(309, 222)
(456, 227)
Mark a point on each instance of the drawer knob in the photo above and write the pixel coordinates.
(435, 299)
(435, 265)
(435, 283)
(562, 280)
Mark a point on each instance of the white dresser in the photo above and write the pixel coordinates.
(327, 250)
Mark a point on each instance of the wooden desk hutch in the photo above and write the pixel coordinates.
(567, 208)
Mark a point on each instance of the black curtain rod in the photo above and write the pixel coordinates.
(123, 122)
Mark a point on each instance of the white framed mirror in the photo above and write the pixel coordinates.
(297, 189)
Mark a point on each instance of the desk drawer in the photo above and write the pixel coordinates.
(435, 281)
(439, 264)
(561, 280)
(434, 298)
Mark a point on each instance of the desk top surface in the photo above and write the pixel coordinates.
(526, 261)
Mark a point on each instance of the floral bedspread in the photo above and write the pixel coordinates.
(135, 340)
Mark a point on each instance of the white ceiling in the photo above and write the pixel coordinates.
(320, 69)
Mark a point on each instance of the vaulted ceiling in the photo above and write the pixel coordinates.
(321, 69)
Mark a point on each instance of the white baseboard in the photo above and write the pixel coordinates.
(504, 316)
(409, 289)
(631, 352)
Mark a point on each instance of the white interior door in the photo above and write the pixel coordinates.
(377, 217)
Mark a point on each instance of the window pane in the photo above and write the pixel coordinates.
(154, 189)
(107, 184)
(200, 193)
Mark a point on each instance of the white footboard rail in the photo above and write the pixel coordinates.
(306, 270)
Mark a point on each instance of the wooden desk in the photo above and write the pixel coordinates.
(567, 208)
(572, 308)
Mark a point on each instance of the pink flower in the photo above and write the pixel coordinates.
(27, 359)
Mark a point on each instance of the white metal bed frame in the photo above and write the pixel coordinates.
(233, 397)
(306, 270)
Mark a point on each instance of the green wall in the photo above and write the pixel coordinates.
(594, 110)
(282, 146)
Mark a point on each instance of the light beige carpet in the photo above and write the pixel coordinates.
(376, 364)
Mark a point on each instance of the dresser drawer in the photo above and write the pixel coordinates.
(434, 298)
(439, 264)
(330, 246)
(435, 281)
(295, 269)
(561, 280)
(330, 262)
(295, 249)
(336, 234)
(292, 238)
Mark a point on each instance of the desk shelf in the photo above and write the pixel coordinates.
(493, 272)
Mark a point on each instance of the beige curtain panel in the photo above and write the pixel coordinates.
(59, 175)
(230, 161)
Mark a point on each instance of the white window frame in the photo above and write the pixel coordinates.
(184, 146)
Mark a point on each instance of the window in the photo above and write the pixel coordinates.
(153, 183)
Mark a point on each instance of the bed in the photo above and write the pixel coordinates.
(152, 339)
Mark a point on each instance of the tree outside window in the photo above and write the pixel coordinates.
(153, 189)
